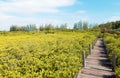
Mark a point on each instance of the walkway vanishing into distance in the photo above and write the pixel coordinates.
(97, 64)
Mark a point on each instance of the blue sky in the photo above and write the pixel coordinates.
(23, 12)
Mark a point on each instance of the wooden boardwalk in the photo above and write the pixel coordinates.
(97, 64)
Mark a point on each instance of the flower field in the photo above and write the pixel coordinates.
(40, 55)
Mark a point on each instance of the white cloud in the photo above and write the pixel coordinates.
(81, 11)
(29, 7)
(4, 16)
(33, 6)
(114, 18)
(6, 21)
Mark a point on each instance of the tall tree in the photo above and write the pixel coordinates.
(63, 26)
(56, 27)
(14, 28)
(85, 26)
(75, 26)
(41, 28)
(80, 25)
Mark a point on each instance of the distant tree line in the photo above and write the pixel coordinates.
(30, 27)
(52, 27)
(33, 27)
(49, 27)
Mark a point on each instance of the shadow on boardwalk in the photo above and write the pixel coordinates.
(97, 64)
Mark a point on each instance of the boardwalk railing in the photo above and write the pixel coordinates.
(113, 60)
(90, 47)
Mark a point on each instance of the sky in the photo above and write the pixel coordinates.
(23, 12)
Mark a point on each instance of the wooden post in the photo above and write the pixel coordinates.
(95, 42)
(83, 58)
(92, 45)
(75, 76)
(89, 49)
(113, 61)
(103, 40)
(107, 50)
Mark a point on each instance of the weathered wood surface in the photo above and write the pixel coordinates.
(97, 64)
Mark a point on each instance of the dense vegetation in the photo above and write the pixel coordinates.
(113, 43)
(110, 26)
(40, 55)
(81, 25)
